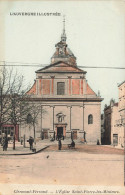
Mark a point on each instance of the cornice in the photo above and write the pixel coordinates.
(67, 99)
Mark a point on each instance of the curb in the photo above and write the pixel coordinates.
(26, 153)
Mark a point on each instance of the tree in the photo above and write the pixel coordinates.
(13, 104)
(5, 86)
(19, 106)
(34, 112)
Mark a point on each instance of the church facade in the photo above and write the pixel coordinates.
(72, 107)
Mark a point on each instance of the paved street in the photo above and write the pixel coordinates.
(65, 167)
(20, 149)
(90, 149)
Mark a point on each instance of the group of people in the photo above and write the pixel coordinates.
(4, 143)
(72, 145)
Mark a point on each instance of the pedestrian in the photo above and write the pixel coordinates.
(59, 144)
(73, 144)
(54, 135)
(21, 140)
(5, 143)
(31, 140)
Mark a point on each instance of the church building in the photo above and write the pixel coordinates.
(72, 107)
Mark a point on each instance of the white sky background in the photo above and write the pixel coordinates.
(95, 34)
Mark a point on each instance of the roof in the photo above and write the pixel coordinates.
(32, 90)
(90, 91)
(60, 67)
(68, 53)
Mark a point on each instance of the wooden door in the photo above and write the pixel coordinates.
(45, 132)
(74, 135)
(59, 132)
(115, 139)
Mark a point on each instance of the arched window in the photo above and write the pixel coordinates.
(90, 119)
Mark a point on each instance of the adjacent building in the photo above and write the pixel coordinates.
(114, 123)
(107, 125)
(121, 109)
(102, 128)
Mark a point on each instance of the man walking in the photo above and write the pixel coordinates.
(31, 142)
(59, 144)
(5, 143)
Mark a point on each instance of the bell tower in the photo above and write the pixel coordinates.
(63, 53)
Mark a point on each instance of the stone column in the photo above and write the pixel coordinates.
(70, 118)
(53, 118)
(81, 88)
(69, 92)
(83, 115)
(83, 121)
(41, 122)
(84, 86)
(37, 87)
(52, 85)
(40, 86)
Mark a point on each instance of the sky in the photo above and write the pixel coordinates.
(95, 34)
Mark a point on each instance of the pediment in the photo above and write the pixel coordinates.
(60, 67)
(60, 114)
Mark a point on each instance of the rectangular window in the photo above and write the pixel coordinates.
(60, 88)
